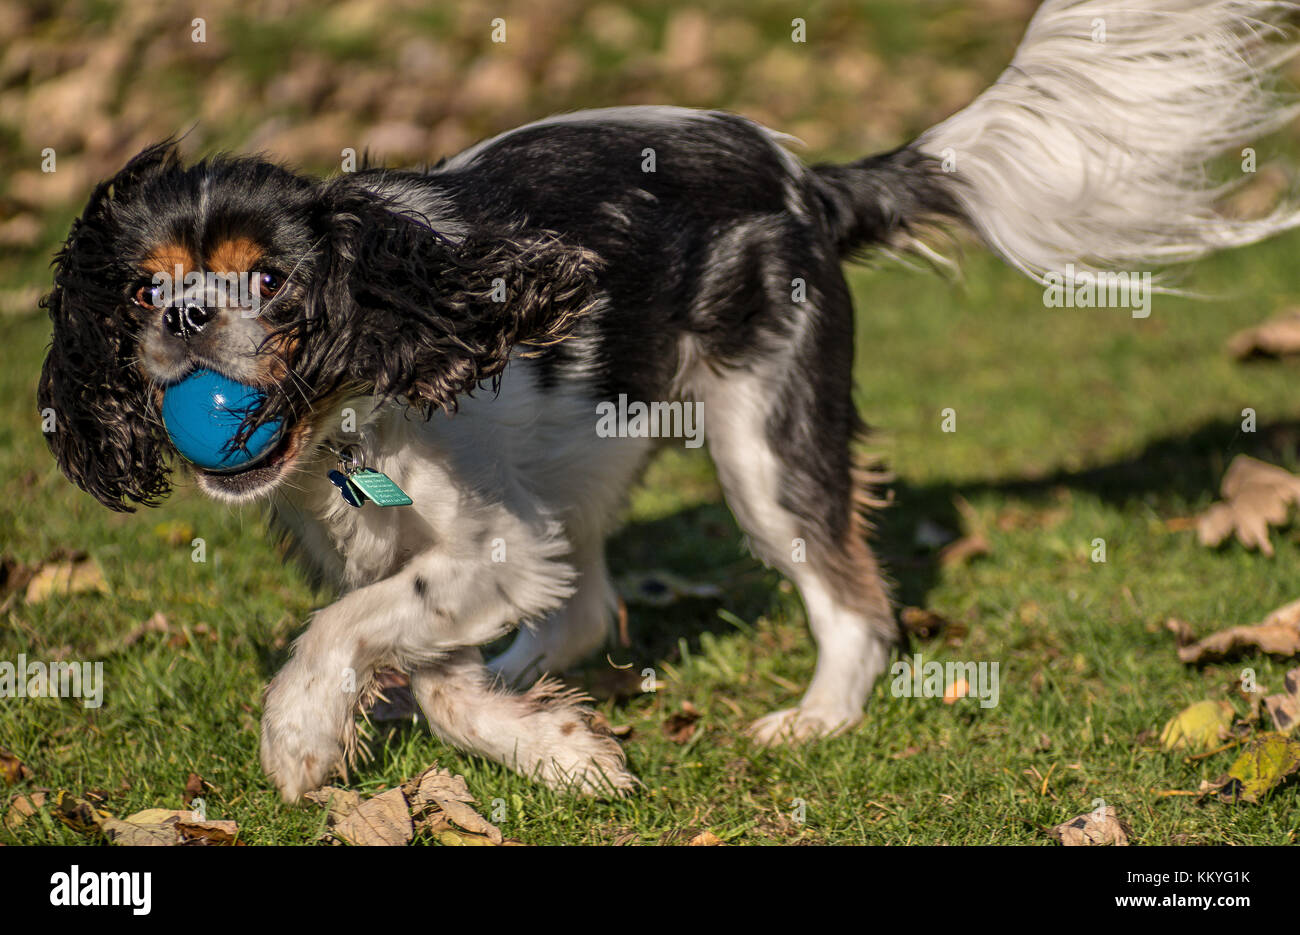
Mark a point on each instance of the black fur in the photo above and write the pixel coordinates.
(393, 277)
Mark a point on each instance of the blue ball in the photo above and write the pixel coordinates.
(203, 413)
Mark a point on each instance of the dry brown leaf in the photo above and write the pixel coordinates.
(1277, 337)
(1278, 634)
(705, 839)
(14, 575)
(680, 727)
(165, 827)
(70, 576)
(153, 827)
(1095, 828)
(12, 769)
(971, 544)
(79, 814)
(963, 550)
(22, 808)
(439, 789)
(158, 623)
(194, 786)
(1256, 495)
(381, 821)
(1284, 707)
(209, 833)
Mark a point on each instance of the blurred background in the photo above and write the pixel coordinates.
(414, 81)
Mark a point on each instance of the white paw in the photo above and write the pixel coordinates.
(570, 748)
(299, 749)
(798, 725)
(588, 763)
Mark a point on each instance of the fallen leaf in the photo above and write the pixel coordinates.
(12, 769)
(165, 827)
(1198, 727)
(78, 814)
(963, 550)
(1265, 763)
(1095, 828)
(1276, 337)
(61, 578)
(449, 794)
(153, 827)
(1256, 495)
(680, 727)
(14, 575)
(381, 821)
(1278, 634)
(340, 802)
(158, 623)
(22, 808)
(1284, 708)
(704, 839)
(209, 833)
(972, 543)
(194, 786)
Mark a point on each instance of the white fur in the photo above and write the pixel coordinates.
(1095, 152)
(851, 652)
(511, 477)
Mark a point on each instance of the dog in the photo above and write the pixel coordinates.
(459, 328)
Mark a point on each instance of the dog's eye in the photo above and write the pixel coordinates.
(149, 295)
(269, 284)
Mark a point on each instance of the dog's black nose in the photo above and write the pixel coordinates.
(185, 320)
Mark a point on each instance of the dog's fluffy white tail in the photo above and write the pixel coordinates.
(1092, 147)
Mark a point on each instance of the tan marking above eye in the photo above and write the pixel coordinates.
(234, 255)
(166, 258)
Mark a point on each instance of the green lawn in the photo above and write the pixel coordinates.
(1072, 425)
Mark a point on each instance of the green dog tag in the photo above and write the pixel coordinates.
(379, 487)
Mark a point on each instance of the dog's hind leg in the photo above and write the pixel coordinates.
(545, 733)
(780, 428)
(569, 634)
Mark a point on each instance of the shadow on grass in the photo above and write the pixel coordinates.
(704, 543)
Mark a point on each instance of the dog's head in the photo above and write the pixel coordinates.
(305, 289)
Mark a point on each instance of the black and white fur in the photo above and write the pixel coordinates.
(674, 284)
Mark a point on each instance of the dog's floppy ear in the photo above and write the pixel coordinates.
(96, 412)
(412, 313)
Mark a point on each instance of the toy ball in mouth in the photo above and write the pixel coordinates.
(203, 413)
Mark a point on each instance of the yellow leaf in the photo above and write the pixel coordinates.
(1198, 727)
(1268, 761)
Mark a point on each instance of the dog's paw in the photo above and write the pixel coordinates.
(799, 725)
(569, 746)
(299, 750)
(588, 763)
(298, 762)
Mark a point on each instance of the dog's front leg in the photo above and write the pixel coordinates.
(438, 603)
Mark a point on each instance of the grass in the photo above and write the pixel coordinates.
(1072, 425)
